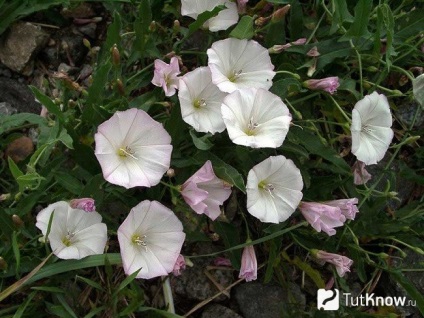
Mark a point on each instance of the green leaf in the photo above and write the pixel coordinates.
(14, 169)
(202, 143)
(244, 29)
(65, 138)
(296, 26)
(341, 15)
(8, 122)
(410, 24)
(69, 182)
(141, 26)
(386, 23)
(313, 274)
(65, 305)
(69, 265)
(410, 289)
(230, 236)
(16, 251)
(222, 169)
(48, 103)
(89, 282)
(284, 86)
(21, 309)
(314, 145)
(126, 282)
(359, 27)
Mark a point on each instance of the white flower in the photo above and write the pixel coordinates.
(274, 189)
(371, 132)
(222, 21)
(256, 118)
(200, 101)
(150, 238)
(74, 233)
(133, 149)
(239, 64)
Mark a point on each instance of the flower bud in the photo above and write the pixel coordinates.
(177, 26)
(3, 264)
(170, 173)
(86, 204)
(152, 26)
(280, 13)
(116, 57)
(86, 43)
(328, 84)
(17, 220)
(120, 87)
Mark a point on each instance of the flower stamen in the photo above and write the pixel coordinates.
(251, 127)
(67, 240)
(127, 152)
(200, 103)
(139, 240)
(235, 75)
(269, 187)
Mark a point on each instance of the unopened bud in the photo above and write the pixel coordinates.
(116, 57)
(280, 13)
(383, 255)
(261, 21)
(72, 103)
(5, 196)
(177, 26)
(152, 26)
(3, 264)
(372, 69)
(313, 52)
(120, 87)
(170, 173)
(17, 220)
(86, 43)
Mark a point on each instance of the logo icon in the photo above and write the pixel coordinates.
(328, 299)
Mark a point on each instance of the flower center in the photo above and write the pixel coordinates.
(139, 240)
(67, 240)
(366, 129)
(126, 152)
(235, 75)
(269, 187)
(251, 127)
(200, 103)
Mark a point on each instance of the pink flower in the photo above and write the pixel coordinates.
(249, 265)
(222, 261)
(86, 204)
(282, 47)
(204, 192)
(347, 206)
(241, 6)
(328, 84)
(322, 217)
(342, 263)
(360, 175)
(313, 52)
(179, 265)
(165, 75)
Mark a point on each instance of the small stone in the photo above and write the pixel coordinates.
(18, 96)
(86, 71)
(216, 310)
(7, 109)
(84, 10)
(20, 45)
(89, 30)
(19, 149)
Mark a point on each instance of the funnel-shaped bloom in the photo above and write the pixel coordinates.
(360, 174)
(74, 234)
(204, 192)
(256, 118)
(342, 263)
(165, 75)
(249, 264)
(274, 189)
(225, 18)
(133, 149)
(237, 64)
(201, 101)
(322, 217)
(371, 132)
(150, 239)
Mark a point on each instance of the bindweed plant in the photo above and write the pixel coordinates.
(272, 130)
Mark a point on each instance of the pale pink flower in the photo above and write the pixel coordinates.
(239, 64)
(150, 239)
(241, 6)
(322, 217)
(179, 266)
(360, 174)
(165, 75)
(222, 261)
(347, 206)
(44, 111)
(313, 52)
(371, 132)
(133, 149)
(328, 84)
(205, 192)
(274, 189)
(255, 118)
(86, 204)
(249, 265)
(74, 234)
(342, 263)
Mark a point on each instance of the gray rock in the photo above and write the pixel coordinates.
(195, 285)
(18, 96)
(7, 109)
(405, 112)
(257, 300)
(89, 30)
(21, 43)
(216, 310)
